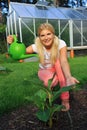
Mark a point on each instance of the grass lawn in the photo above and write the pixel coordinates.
(18, 80)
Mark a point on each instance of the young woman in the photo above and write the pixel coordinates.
(52, 60)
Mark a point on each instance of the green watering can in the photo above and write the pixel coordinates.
(17, 50)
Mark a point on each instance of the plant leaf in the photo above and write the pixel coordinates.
(43, 115)
(49, 84)
(61, 90)
(55, 108)
(41, 94)
(39, 98)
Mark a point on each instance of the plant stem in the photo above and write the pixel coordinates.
(50, 122)
(71, 123)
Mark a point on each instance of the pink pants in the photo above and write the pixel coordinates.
(46, 74)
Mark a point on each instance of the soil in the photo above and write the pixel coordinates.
(24, 117)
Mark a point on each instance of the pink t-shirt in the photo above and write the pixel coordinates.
(47, 63)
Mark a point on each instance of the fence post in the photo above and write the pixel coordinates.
(71, 53)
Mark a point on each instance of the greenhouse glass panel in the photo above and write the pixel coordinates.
(70, 24)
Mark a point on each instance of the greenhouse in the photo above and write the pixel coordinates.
(70, 24)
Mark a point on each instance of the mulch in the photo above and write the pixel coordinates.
(24, 118)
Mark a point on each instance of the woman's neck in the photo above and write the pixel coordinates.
(48, 48)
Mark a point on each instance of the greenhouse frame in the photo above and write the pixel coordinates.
(70, 24)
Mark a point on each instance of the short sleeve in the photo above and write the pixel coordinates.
(61, 44)
(34, 48)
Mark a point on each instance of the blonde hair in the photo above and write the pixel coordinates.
(54, 49)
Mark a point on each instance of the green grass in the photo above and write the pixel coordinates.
(79, 68)
(18, 80)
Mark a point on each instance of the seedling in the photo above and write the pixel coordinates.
(44, 99)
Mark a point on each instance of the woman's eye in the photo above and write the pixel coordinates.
(49, 34)
(42, 35)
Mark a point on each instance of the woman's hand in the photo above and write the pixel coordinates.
(71, 81)
(10, 39)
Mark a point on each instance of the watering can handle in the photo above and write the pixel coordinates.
(15, 38)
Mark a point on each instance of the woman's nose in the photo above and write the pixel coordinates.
(46, 37)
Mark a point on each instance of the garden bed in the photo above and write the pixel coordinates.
(24, 118)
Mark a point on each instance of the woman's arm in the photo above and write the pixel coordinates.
(66, 68)
(29, 49)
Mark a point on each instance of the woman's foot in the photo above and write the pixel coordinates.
(66, 104)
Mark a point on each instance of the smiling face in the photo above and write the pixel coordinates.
(46, 34)
(46, 38)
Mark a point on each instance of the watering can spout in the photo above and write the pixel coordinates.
(24, 56)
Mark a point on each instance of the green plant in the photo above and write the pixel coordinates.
(3, 45)
(44, 99)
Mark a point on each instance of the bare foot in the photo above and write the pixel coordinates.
(66, 104)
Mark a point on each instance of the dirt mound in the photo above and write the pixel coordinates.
(24, 118)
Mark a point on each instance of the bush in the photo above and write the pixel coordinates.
(3, 46)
